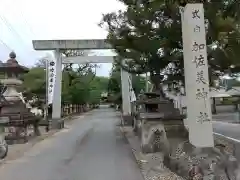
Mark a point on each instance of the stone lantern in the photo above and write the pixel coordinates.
(13, 111)
(12, 71)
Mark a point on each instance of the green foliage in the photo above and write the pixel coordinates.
(138, 83)
(79, 86)
(114, 84)
(236, 83)
(34, 82)
(97, 87)
(149, 33)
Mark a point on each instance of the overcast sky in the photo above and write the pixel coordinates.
(21, 21)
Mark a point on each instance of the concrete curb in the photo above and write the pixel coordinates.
(134, 151)
(138, 159)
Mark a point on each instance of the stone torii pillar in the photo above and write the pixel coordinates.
(56, 102)
(126, 94)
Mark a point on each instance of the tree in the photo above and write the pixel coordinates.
(76, 82)
(34, 86)
(42, 62)
(114, 83)
(79, 85)
(138, 83)
(149, 34)
(34, 81)
(96, 88)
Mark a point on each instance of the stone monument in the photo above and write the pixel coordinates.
(198, 157)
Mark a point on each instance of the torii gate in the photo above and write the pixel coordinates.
(61, 45)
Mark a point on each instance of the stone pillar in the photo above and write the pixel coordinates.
(62, 111)
(196, 76)
(126, 104)
(65, 110)
(70, 107)
(146, 83)
(56, 113)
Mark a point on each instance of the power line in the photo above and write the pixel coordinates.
(5, 45)
(13, 32)
(27, 24)
(10, 27)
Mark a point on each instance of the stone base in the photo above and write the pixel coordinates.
(127, 120)
(190, 162)
(137, 126)
(153, 137)
(3, 149)
(57, 124)
(175, 128)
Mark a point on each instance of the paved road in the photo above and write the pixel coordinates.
(231, 117)
(225, 109)
(227, 122)
(227, 117)
(91, 149)
(227, 129)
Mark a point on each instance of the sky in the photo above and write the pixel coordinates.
(22, 21)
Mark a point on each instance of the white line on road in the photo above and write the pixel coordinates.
(227, 137)
(226, 123)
